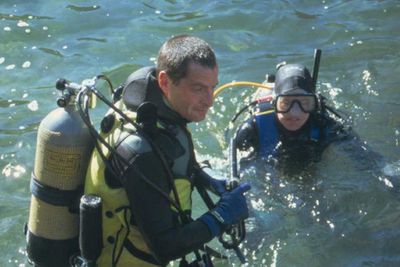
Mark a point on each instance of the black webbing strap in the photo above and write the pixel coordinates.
(140, 254)
(55, 196)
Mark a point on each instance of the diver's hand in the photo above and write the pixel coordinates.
(218, 185)
(211, 180)
(230, 209)
(232, 206)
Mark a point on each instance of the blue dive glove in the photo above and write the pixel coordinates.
(230, 209)
(216, 185)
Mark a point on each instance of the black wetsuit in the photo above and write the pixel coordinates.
(160, 225)
(292, 148)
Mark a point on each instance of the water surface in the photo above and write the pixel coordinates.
(358, 218)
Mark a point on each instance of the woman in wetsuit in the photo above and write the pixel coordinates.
(293, 125)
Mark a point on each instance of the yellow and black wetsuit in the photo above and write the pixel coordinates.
(140, 226)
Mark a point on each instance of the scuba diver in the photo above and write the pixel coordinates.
(291, 126)
(147, 182)
(288, 130)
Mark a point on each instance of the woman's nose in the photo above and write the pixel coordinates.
(295, 110)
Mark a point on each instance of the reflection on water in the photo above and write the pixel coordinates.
(308, 218)
(13, 171)
(342, 211)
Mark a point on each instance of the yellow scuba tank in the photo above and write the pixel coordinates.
(63, 151)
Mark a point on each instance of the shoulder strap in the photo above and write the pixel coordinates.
(267, 132)
(315, 134)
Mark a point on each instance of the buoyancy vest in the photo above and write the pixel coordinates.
(124, 245)
(267, 131)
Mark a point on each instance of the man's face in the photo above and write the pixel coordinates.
(193, 95)
(295, 118)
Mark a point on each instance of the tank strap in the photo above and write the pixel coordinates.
(267, 132)
(55, 196)
(315, 133)
(139, 254)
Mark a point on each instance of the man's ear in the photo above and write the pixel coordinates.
(163, 82)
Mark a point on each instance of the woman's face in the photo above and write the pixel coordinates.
(295, 118)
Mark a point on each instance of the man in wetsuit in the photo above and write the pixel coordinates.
(146, 183)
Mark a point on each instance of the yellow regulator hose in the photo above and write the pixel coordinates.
(241, 83)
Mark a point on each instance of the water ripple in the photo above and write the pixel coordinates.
(13, 17)
(303, 15)
(101, 40)
(32, 127)
(83, 8)
(7, 103)
(183, 16)
(51, 52)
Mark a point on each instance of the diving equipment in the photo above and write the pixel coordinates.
(90, 229)
(64, 146)
(284, 103)
(235, 234)
(291, 77)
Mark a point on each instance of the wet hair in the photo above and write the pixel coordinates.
(178, 52)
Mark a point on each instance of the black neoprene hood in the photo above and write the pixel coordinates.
(291, 77)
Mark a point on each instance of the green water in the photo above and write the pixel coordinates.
(357, 220)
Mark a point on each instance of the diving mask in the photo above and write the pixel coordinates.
(306, 102)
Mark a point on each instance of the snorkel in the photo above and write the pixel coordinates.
(323, 106)
(317, 60)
